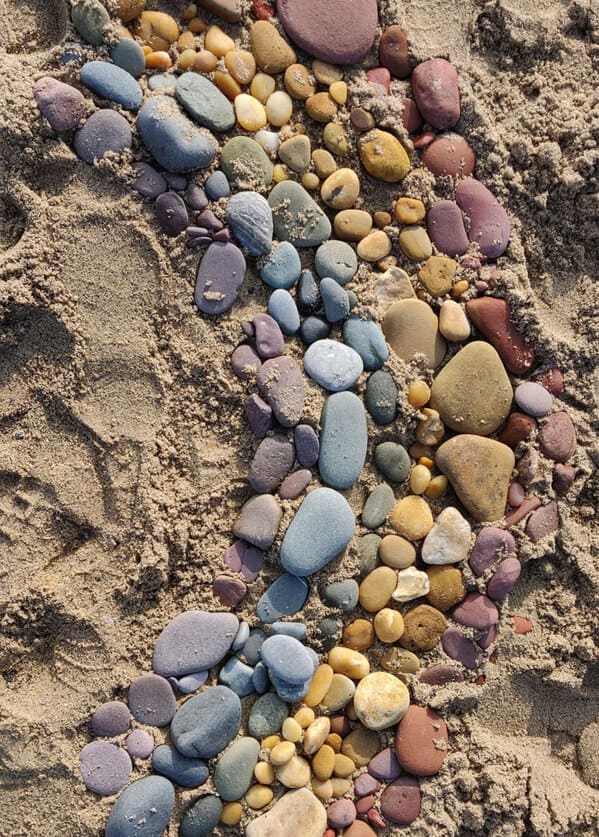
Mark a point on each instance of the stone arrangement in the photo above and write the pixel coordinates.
(332, 743)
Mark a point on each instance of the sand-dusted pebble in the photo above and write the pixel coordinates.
(543, 521)
(518, 427)
(202, 818)
(446, 587)
(381, 397)
(335, 33)
(411, 516)
(258, 521)
(61, 104)
(259, 415)
(476, 611)
(285, 597)
(453, 322)
(151, 700)
(189, 773)
(557, 437)
(245, 559)
(528, 467)
(217, 186)
(307, 295)
(321, 529)
(250, 219)
(108, 81)
(411, 328)
(479, 470)
(435, 88)
(415, 243)
(493, 318)
(282, 308)
(139, 743)
(297, 218)
(173, 140)
(307, 445)
(400, 802)
(245, 362)
(504, 578)
(337, 260)
(411, 584)
(282, 267)
(341, 814)
(235, 769)
(437, 275)
(104, 767)
(421, 741)
(378, 506)
(448, 542)
(445, 224)
(229, 590)
(171, 213)
(333, 365)
(106, 131)
(366, 338)
(229, 10)
(298, 82)
(563, 477)
(343, 440)
(341, 594)
(423, 627)
(459, 647)
(381, 700)
(193, 641)
(490, 226)
(393, 461)
(245, 164)
(144, 808)
(533, 399)
(383, 156)
(272, 52)
(299, 807)
(450, 154)
(270, 342)
(281, 384)
(164, 82)
(148, 182)
(394, 51)
(205, 724)
(399, 661)
(91, 20)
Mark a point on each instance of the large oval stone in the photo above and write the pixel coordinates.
(343, 440)
(204, 725)
(193, 641)
(411, 328)
(143, 809)
(490, 226)
(321, 529)
(220, 276)
(297, 813)
(112, 83)
(173, 140)
(297, 218)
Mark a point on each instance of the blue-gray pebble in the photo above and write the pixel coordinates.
(341, 594)
(381, 397)
(337, 260)
(290, 692)
(129, 56)
(174, 141)
(282, 268)
(334, 299)
(143, 809)
(252, 648)
(285, 596)
(217, 186)
(313, 329)
(295, 629)
(112, 83)
(333, 365)
(204, 102)
(188, 773)
(250, 219)
(235, 769)
(282, 308)
(378, 506)
(288, 659)
(237, 676)
(297, 218)
(193, 641)
(343, 440)
(202, 818)
(393, 461)
(308, 295)
(267, 715)
(163, 81)
(204, 725)
(367, 339)
(260, 678)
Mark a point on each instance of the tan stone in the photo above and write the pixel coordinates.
(409, 211)
(298, 82)
(377, 588)
(295, 773)
(446, 587)
(393, 286)
(437, 275)
(340, 692)
(453, 322)
(411, 327)
(346, 661)
(358, 635)
(400, 661)
(341, 189)
(272, 52)
(415, 243)
(128, 9)
(381, 700)
(396, 552)
(324, 163)
(375, 246)
(320, 107)
(361, 745)
(352, 224)
(411, 516)
(319, 686)
(296, 814)
(423, 627)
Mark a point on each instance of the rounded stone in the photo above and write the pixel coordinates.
(377, 588)
(411, 516)
(435, 88)
(202, 818)
(394, 51)
(235, 769)
(108, 81)
(285, 596)
(333, 365)
(282, 267)
(246, 164)
(188, 773)
(490, 225)
(411, 328)
(397, 552)
(450, 154)
(281, 384)
(129, 56)
(453, 322)
(173, 140)
(106, 131)
(384, 765)
(448, 542)
(171, 213)
(250, 219)
(204, 725)
(91, 20)
(504, 579)
(445, 224)
(400, 802)
(288, 659)
(415, 243)
(271, 463)
(411, 584)
(204, 102)
(111, 719)
(193, 641)
(557, 437)
(493, 318)
(533, 399)
(446, 587)
(140, 743)
(378, 506)
(381, 700)
(146, 806)
(352, 224)
(220, 275)
(381, 397)
(104, 767)
(337, 260)
(393, 461)
(341, 190)
(341, 594)
(267, 715)
(366, 338)
(307, 445)
(421, 741)
(61, 104)
(282, 308)
(341, 814)
(476, 611)
(423, 627)
(383, 156)
(297, 218)
(343, 440)
(151, 700)
(272, 52)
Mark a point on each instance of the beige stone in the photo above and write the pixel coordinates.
(377, 588)
(340, 692)
(448, 542)
(298, 82)
(411, 327)
(375, 246)
(341, 189)
(411, 516)
(295, 773)
(396, 552)
(352, 224)
(272, 52)
(349, 662)
(437, 275)
(296, 814)
(381, 700)
(411, 584)
(415, 243)
(423, 626)
(453, 322)
(409, 211)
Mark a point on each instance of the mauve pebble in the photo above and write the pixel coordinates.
(457, 646)
(435, 88)
(269, 337)
(228, 590)
(488, 638)
(411, 119)
(272, 462)
(394, 51)
(208, 219)
(104, 132)
(518, 427)
(489, 223)
(219, 278)
(259, 415)
(104, 767)
(190, 683)
(527, 467)
(557, 437)
(563, 477)
(476, 611)
(251, 563)
(222, 235)
(295, 484)
(171, 213)
(543, 521)
(341, 813)
(527, 505)
(62, 105)
(445, 225)
(375, 818)
(281, 384)
(440, 674)
(490, 546)
(366, 784)
(245, 362)
(379, 76)
(110, 719)
(140, 743)
(175, 180)
(385, 765)
(234, 555)
(196, 197)
(151, 700)
(515, 495)
(450, 154)
(258, 521)
(504, 579)
(400, 802)
(424, 140)
(148, 182)
(533, 399)
(552, 379)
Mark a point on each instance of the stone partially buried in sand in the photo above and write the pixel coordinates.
(62, 105)
(172, 139)
(219, 279)
(383, 156)
(193, 641)
(204, 725)
(143, 808)
(411, 327)
(479, 470)
(492, 317)
(297, 218)
(297, 814)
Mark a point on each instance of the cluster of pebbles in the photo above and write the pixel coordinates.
(331, 744)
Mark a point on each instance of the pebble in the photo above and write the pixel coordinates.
(423, 627)
(557, 437)
(308, 295)
(307, 445)
(415, 243)
(294, 152)
(313, 329)
(366, 784)
(335, 300)
(563, 477)
(297, 218)
(259, 416)
(394, 51)
(450, 154)
(445, 225)
(193, 641)
(341, 189)
(196, 197)
(281, 384)
(144, 807)
(476, 611)
(282, 307)
(435, 89)
(335, 33)
(282, 267)
(228, 590)
(229, 10)
(148, 182)
(446, 587)
(383, 766)
(492, 317)
(171, 213)
(542, 522)
(172, 139)
(448, 542)
(111, 719)
(337, 260)
(270, 342)
(250, 113)
(350, 663)
(162, 81)
(129, 56)
(104, 767)
(352, 224)
(551, 378)
(285, 597)
(489, 223)
(381, 397)
(108, 81)
(411, 516)
(250, 219)
(151, 700)
(377, 588)
(400, 802)
(333, 365)
(202, 818)
(459, 647)
(298, 82)
(359, 829)
(527, 467)
(517, 428)
(245, 164)
(400, 661)
(473, 393)
(411, 584)
(359, 634)
(341, 814)
(272, 52)
(393, 461)
(204, 725)
(188, 773)
(343, 440)
(219, 279)
(533, 399)
(437, 275)
(287, 659)
(341, 594)
(62, 105)
(321, 529)
(453, 322)
(217, 186)
(380, 700)
(90, 19)
(258, 521)
(139, 743)
(396, 552)
(383, 156)
(190, 683)
(106, 131)
(235, 769)
(421, 741)
(479, 470)
(504, 578)
(299, 807)
(440, 674)
(378, 506)
(411, 327)
(245, 362)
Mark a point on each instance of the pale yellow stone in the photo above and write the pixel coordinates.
(415, 243)
(420, 479)
(231, 813)
(157, 29)
(341, 189)
(129, 9)
(262, 87)
(205, 61)
(381, 700)
(323, 762)
(316, 735)
(346, 661)
(419, 393)
(270, 741)
(411, 516)
(397, 552)
(338, 92)
(295, 773)
(339, 786)
(281, 753)
(186, 41)
(259, 796)
(326, 73)
(291, 730)
(304, 716)
(218, 42)
(343, 766)
(375, 246)
(264, 773)
(409, 211)
(460, 287)
(241, 64)
(322, 789)
(310, 181)
(250, 113)
(279, 107)
(335, 139)
(388, 625)
(352, 224)
(186, 59)
(411, 584)
(320, 107)
(376, 588)
(319, 686)
(158, 60)
(437, 487)
(339, 694)
(280, 173)
(295, 814)
(453, 322)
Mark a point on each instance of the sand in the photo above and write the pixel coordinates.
(123, 453)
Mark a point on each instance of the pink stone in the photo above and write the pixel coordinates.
(476, 611)
(563, 477)
(542, 522)
(515, 495)
(527, 467)
(424, 139)
(380, 76)
(363, 805)
(504, 579)
(440, 674)
(366, 784)
(488, 638)
(294, 485)
(557, 437)
(527, 505)
(491, 545)
(384, 765)
(522, 625)
(460, 648)
(552, 379)
(245, 362)
(435, 88)
(412, 121)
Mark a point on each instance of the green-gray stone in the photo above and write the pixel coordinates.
(246, 164)
(297, 218)
(368, 546)
(341, 594)
(90, 19)
(381, 397)
(377, 506)
(198, 821)
(393, 461)
(328, 632)
(204, 102)
(235, 769)
(267, 715)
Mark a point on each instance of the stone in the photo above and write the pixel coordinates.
(446, 587)
(394, 51)
(104, 767)
(377, 588)
(493, 318)
(259, 415)
(393, 461)
(297, 813)
(333, 365)
(557, 437)
(297, 218)
(295, 153)
(228, 590)
(400, 802)
(245, 164)
(307, 445)
(423, 627)
(128, 55)
(383, 156)
(193, 641)
(91, 20)
(367, 552)
(378, 506)
(335, 300)
(269, 338)
(62, 105)
(337, 260)
(450, 154)
(145, 806)
(282, 308)
(411, 584)
(204, 725)
(542, 522)
(313, 329)
(272, 52)
(352, 224)
(148, 182)
(517, 428)
(445, 225)
(139, 743)
(396, 552)
(151, 700)
(459, 647)
(202, 818)
(551, 378)
(412, 328)
(366, 338)
(411, 516)
(282, 267)
(105, 132)
(110, 82)
(235, 769)
(440, 674)
(343, 440)
(400, 661)
(341, 813)
(479, 470)
(281, 384)
(171, 213)
(437, 275)
(476, 611)
(490, 226)
(271, 463)
(285, 596)
(473, 393)
(381, 397)
(435, 89)
(360, 746)
(533, 399)
(448, 542)
(245, 362)
(380, 700)
(298, 82)
(287, 659)
(359, 634)
(358, 829)
(421, 741)
(384, 766)
(267, 715)
(340, 190)
(250, 219)
(258, 521)
(172, 139)
(504, 578)
(321, 529)
(453, 322)
(415, 243)
(229, 10)
(563, 477)
(341, 594)
(190, 683)
(111, 719)
(188, 773)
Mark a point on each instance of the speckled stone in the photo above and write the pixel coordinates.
(143, 808)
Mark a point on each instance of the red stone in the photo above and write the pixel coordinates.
(400, 802)
(394, 51)
(424, 139)
(450, 154)
(492, 317)
(412, 121)
(230, 591)
(376, 819)
(380, 76)
(563, 477)
(528, 505)
(518, 427)
(262, 10)
(557, 437)
(522, 625)
(340, 725)
(552, 379)
(435, 88)
(421, 741)
(365, 804)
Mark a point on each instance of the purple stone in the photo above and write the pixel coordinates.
(307, 445)
(557, 437)
(140, 743)
(341, 813)
(196, 197)
(488, 638)
(234, 556)
(460, 648)
(527, 467)
(104, 767)
(220, 276)
(193, 641)
(271, 463)
(148, 182)
(259, 415)
(171, 213)
(385, 765)
(62, 105)
(197, 232)
(110, 719)
(445, 225)
(230, 591)
(440, 674)
(542, 522)
(258, 521)
(281, 384)
(366, 784)
(245, 362)
(269, 337)
(178, 182)
(252, 562)
(195, 242)
(222, 235)
(476, 611)
(105, 131)
(208, 219)
(533, 399)
(505, 577)
(491, 545)
(295, 484)
(152, 701)
(489, 223)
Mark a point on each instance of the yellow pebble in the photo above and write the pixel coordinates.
(426, 461)
(310, 181)
(335, 741)
(409, 211)
(241, 64)
(250, 112)
(335, 139)
(358, 635)
(323, 762)
(264, 773)
(319, 685)
(279, 107)
(341, 189)
(218, 42)
(412, 517)
(298, 82)
(190, 11)
(351, 663)
(158, 61)
(295, 773)
(262, 87)
(339, 786)
(280, 173)
(437, 275)
(186, 41)
(326, 73)
(227, 85)
(388, 625)
(157, 29)
(381, 700)
(291, 730)
(430, 429)
(397, 552)
(419, 393)
(304, 716)
(375, 246)
(420, 479)
(258, 797)
(231, 813)
(437, 487)
(377, 588)
(339, 695)
(324, 163)
(186, 59)
(322, 789)
(281, 753)
(344, 766)
(205, 62)
(269, 742)
(338, 92)
(316, 735)
(320, 107)
(460, 287)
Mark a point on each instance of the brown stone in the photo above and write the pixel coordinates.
(517, 428)
(360, 746)
(446, 587)
(394, 51)
(411, 327)
(272, 52)
(421, 741)
(492, 317)
(229, 10)
(423, 626)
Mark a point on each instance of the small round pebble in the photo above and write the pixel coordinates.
(171, 213)
(341, 813)
(337, 260)
(533, 399)
(104, 767)
(151, 700)
(140, 743)
(400, 802)
(282, 308)
(105, 131)
(333, 365)
(110, 719)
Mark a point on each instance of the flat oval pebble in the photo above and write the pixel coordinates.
(393, 461)
(445, 225)
(129, 56)
(148, 182)
(394, 51)
(384, 765)
(204, 102)
(378, 506)
(251, 222)
(383, 156)
(268, 336)
(533, 399)
(435, 88)
(343, 440)
(204, 725)
(321, 529)
(341, 594)
(461, 648)
(172, 139)
(335, 300)
(193, 641)
(219, 279)
(202, 818)
(62, 105)
(188, 773)
(282, 308)
(297, 218)
(411, 328)
(112, 83)
(91, 20)
(288, 659)
(111, 718)
(144, 809)
(313, 329)
(104, 767)
(235, 769)
(440, 674)
(245, 362)
(190, 683)
(476, 611)
(106, 131)
(542, 522)
(151, 700)
(307, 445)
(557, 437)
(337, 260)
(285, 597)
(366, 338)
(140, 743)
(267, 715)
(381, 397)
(421, 741)
(491, 545)
(490, 226)
(333, 365)
(282, 267)
(271, 463)
(171, 213)
(258, 521)
(504, 578)
(281, 384)
(228, 590)
(341, 814)
(400, 802)
(245, 164)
